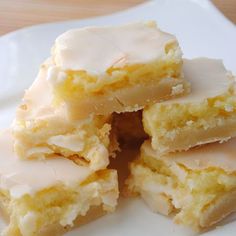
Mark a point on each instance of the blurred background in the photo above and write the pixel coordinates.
(15, 14)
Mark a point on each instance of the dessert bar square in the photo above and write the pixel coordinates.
(207, 114)
(102, 70)
(37, 194)
(197, 187)
(40, 129)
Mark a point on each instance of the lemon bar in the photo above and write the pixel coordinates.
(102, 70)
(198, 186)
(39, 193)
(41, 129)
(205, 115)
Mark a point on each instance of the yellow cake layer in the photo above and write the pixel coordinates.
(197, 186)
(206, 115)
(139, 58)
(37, 194)
(40, 130)
(79, 84)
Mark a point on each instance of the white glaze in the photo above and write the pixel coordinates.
(96, 49)
(21, 177)
(208, 78)
(219, 155)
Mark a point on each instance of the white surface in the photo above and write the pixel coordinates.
(201, 31)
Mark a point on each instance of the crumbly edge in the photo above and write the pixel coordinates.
(165, 122)
(59, 204)
(80, 83)
(32, 140)
(182, 139)
(189, 197)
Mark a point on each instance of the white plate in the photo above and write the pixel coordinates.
(201, 31)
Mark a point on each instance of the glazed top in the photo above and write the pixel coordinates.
(96, 49)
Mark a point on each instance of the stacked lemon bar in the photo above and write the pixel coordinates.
(121, 69)
(181, 169)
(55, 157)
